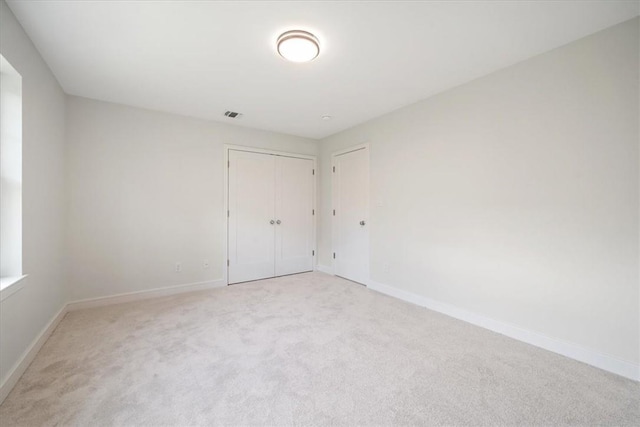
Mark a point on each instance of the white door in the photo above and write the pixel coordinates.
(351, 204)
(294, 215)
(251, 232)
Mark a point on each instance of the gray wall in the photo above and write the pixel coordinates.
(146, 190)
(24, 314)
(515, 196)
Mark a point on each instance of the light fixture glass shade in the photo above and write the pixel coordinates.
(298, 46)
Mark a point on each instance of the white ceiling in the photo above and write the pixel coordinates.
(202, 58)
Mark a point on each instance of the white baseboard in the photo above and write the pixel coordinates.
(573, 351)
(27, 357)
(324, 269)
(140, 295)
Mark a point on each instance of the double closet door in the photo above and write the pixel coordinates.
(270, 217)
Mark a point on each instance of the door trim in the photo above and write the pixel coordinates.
(364, 146)
(229, 147)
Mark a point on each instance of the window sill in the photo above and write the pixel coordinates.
(10, 285)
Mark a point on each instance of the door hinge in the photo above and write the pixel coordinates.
(313, 211)
(334, 255)
(228, 163)
(313, 253)
(334, 212)
(227, 263)
(227, 214)
(334, 169)
(313, 171)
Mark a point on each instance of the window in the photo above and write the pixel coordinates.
(10, 179)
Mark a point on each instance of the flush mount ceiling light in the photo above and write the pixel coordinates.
(298, 46)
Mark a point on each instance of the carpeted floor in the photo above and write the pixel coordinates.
(309, 349)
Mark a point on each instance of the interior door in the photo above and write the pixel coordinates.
(294, 215)
(351, 204)
(251, 215)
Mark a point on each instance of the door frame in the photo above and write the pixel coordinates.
(229, 147)
(334, 228)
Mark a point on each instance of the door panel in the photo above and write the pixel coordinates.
(351, 201)
(251, 208)
(294, 205)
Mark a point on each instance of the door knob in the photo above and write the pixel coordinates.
(362, 222)
(272, 222)
(278, 222)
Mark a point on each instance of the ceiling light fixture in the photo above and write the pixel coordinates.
(326, 118)
(298, 46)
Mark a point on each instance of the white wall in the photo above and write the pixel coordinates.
(146, 191)
(25, 314)
(516, 196)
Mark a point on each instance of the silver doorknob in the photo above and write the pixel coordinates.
(362, 222)
(272, 222)
(278, 222)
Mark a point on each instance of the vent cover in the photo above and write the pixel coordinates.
(232, 114)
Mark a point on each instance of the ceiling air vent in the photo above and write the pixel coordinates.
(232, 114)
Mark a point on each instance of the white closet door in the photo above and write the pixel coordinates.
(251, 210)
(351, 203)
(294, 214)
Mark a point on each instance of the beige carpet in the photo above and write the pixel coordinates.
(309, 349)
